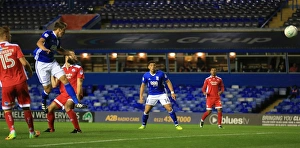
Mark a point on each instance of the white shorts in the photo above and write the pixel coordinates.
(45, 70)
(163, 99)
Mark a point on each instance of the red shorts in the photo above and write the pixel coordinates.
(19, 92)
(213, 101)
(61, 100)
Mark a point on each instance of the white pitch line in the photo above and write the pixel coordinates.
(151, 138)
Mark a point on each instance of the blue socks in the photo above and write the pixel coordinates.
(71, 92)
(145, 119)
(45, 96)
(173, 116)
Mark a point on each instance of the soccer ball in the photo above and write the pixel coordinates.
(290, 31)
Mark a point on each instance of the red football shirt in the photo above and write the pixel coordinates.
(212, 85)
(12, 72)
(72, 73)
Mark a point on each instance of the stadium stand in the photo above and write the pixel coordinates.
(189, 98)
(189, 14)
(294, 19)
(287, 106)
(134, 14)
(34, 14)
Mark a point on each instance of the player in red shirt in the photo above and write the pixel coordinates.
(212, 88)
(14, 83)
(75, 76)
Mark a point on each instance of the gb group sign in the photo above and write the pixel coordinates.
(189, 41)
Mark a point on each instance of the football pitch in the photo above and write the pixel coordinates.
(124, 135)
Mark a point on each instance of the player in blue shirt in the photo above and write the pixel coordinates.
(155, 81)
(46, 65)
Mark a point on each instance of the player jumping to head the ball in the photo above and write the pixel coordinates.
(46, 66)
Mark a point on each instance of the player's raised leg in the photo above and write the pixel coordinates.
(60, 74)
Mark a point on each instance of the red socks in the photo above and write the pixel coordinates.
(219, 118)
(51, 118)
(29, 120)
(73, 118)
(204, 116)
(9, 121)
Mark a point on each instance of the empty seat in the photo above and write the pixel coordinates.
(169, 25)
(182, 25)
(142, 25)
(240, 24)
(233, 24)
(162, 25)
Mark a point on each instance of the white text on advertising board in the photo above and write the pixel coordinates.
(280, 120)
(213, 119)
(38, 115)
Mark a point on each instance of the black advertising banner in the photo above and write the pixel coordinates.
(155, 117)
(183, 118)
(235, 119)
(281, 120)
(97, 42)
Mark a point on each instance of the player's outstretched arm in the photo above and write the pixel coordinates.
(63, 51)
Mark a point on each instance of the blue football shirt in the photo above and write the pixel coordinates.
(156, 82)
(52, 43)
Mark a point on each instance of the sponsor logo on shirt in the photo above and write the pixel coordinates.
(69, 75)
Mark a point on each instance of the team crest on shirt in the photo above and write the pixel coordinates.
(6, 103)
(157, 78)
(46, 35)
(73, 70)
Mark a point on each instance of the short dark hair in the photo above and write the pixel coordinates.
(60, 25)
(151, 62)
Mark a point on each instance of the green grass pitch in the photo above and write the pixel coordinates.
(125, 135)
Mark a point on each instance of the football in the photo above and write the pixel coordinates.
(290, 31)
